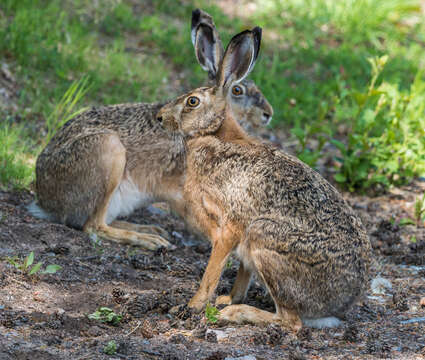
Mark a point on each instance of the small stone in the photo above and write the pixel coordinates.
(400, 301)
(178, 339)
(296, 355)
(351, 333)
(380, 286)
(275, 334)
(304, 334)
(211, 336)
(422, 302)
(162, 326)
(94, 331)
(60, 311)
(216, 355)
(376, 346)
(199, 332)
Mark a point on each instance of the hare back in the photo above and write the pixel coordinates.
(130, 121)
(256, 180)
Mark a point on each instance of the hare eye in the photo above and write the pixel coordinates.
(237, 90)
(193, 101)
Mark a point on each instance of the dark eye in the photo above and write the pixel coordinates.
(237, 90)
(193, 101)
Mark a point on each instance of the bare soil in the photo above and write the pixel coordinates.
(45, 316)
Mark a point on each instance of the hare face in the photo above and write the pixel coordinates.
(197, 113)
(249, 105)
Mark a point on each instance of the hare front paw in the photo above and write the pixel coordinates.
(224, 300)
(196, 305)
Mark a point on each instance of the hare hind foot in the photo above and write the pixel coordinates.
(223, 300)
(122, 236)
(150, 229)
(246, 314)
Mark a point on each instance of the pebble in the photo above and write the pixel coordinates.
(246, 357)
(220, 333)
(380, 285)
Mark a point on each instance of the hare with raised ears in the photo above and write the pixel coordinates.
(111, 160)
(287, 224)
(248, 104)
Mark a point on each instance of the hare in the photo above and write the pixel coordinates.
(108, 161)
(285, 222)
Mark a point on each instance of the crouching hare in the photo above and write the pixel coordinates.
(111, 160)
(287, 224)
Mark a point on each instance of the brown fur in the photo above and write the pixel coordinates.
(286, 223)
(107, 150)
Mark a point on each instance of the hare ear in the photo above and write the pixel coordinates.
(207, 43)
(239, 58)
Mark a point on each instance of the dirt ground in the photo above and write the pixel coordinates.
(46, 316)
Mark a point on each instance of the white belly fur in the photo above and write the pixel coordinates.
(126, 198)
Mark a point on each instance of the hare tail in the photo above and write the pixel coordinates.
(321, 323)
(35, 210)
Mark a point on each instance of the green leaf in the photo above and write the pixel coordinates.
(340, 146)
(14, 261)
(35, 268)
(340, 178)
(105, 314)
(369, 117)
(406, 221)
(29, 260)
(211, 313)
(51, 269)
(110, 348)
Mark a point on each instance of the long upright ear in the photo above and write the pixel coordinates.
(207, 43)
(239, 58)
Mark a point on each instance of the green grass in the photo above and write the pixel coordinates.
(314, 60)
(17, 161)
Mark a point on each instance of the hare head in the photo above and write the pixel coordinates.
(202, 111)
(246, 101)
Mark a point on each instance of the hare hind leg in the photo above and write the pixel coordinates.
(255, 250)
(113, 160)
(239, 289)
(150, 229)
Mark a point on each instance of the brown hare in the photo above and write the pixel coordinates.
(110, 160)
(286, 223)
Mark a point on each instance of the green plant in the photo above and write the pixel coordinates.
(65, 109)
(25, 266)
(318, 130)
(420, 209)
(406, 221)
(110, 348)
(106, 315)
(96, 243)
(16, 161)
(386, 144)
(211, 313)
